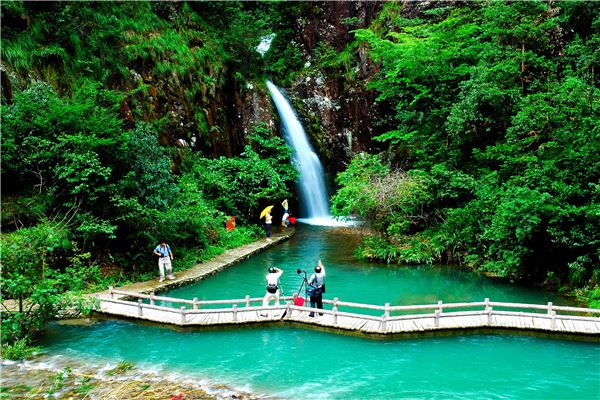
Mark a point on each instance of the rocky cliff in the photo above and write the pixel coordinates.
(205, 105)
(339, 110)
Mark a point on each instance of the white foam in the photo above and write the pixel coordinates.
(265, 44)
(328, 221)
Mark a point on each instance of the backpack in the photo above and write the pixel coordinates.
(271, 288)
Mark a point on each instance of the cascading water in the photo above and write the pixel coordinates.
(311, 184)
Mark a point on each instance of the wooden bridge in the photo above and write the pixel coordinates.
(365, 318)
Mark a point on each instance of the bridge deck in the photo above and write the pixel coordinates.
(571, 320)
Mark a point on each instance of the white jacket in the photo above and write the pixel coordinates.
(318, 278)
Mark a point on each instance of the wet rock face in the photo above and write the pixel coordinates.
(253, 107)
(340, 117)
(340, 113)
(331, 22)
(214, 121)
(209, 111)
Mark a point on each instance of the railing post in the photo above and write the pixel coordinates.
(552, 315)
(234, 312)
(488, 310)
(140, 307)
(151, 298)
(288, 310)
(437, 314)
(386, 315)
(195, 306)
(335, 310)
(182, 314)
(247, 300)
(97, 302)
(110, 292)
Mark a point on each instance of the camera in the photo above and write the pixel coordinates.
(299, 271)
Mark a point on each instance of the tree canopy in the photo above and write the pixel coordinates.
(493, 159)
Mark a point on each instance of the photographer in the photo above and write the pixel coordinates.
(272, 287)
(317, 281)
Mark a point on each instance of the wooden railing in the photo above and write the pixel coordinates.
(436, 311)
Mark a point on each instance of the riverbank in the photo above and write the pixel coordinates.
(182, 278)
(40, 377)
(207, 268)
(64, 378)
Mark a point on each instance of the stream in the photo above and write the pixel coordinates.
(280, 361)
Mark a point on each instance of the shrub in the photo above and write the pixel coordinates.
(18, 350)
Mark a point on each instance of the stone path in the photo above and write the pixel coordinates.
(202, 270)
(194, 274)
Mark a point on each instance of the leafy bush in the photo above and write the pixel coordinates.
(495, 140)
(243, 185)
(28, 278)
(112, 196)
(18, 350)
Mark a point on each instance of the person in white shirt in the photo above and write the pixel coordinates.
(272, 287)
(286, 214)
(317, 280)
(165, 256)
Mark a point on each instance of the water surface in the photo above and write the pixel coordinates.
(352, 280)
(296, 363)
(291, 362)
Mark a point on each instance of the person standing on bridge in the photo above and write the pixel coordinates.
(317, 281)
(273, 291)
(165, 256)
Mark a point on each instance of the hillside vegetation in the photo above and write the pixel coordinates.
(494, 156)
(91, 179)
(121, 127)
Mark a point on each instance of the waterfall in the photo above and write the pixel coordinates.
(311, 183)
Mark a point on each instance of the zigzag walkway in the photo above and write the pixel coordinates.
(365, 318)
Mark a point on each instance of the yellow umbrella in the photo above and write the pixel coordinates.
(266, 210)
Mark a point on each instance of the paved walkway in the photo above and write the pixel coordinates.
(202, 270)
(194, 274)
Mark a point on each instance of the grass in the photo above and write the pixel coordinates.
(122, 367)
(19, 350)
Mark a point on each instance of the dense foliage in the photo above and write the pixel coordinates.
(494, 159)
(89, 188)
(97, 193)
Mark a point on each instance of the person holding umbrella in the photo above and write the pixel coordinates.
(286, 213)
(268, 221)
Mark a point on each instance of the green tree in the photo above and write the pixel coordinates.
(29, 279)
(242, 185)
(497, 113)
